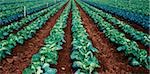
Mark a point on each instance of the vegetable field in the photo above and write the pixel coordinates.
(74, 37)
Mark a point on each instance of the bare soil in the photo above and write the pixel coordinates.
(64, 65)
(111, 61)
(21, 55)
(141, 46)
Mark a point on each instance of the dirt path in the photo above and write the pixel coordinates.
(141, 46)
(22, 54)
(111, 61)
(64, 60)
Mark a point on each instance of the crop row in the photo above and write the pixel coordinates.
(142, 20)
(48, 54)
(8, 2)
(135, 6)
(15, 5)
(20, 9)
(135, 34)
(84, 61)
(137, 57)
(11, 15)
(6, 30)
(27, 32)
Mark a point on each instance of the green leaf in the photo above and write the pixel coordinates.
(5, 33)
(76, 55)
(134, 62)
(36, 57)
(20, 40)
(48, 70)
(39, 70)
(147, 64)
(78, 64)
(27, 71)
(79, 72)
(121, 48)
(51, 57)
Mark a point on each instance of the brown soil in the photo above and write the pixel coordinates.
(131, 23)
(24, 25)
(22, 54)
(111, 61)
(64, 60)
(141, 46)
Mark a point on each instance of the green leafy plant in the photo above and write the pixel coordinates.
(27, 32)
(133, 33)
(137, 57)
(82, 53)
(48, 54)
(6, 30)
